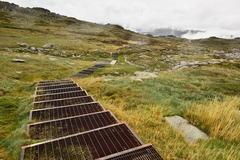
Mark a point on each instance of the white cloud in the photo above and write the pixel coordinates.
(219, 15)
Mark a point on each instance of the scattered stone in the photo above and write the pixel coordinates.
(138, 76)
(8, 49)
(26, 56)
(25, 45)
(52, 59)
(116, 73)
(18, 60)
(113, 62)
(18, 72)
(144, 56)
(71, 63)
(48, 46)
(33, 48)
(192, 64)
(190, 133)
(233, 55)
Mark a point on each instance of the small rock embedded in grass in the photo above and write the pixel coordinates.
(18, 60)
(25, 45)
(113, 62)
(52, 59)
(48, 45)
(143, 75)
(190, 133)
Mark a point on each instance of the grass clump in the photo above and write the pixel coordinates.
(219, 118)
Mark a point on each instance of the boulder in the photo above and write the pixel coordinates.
(190, 133)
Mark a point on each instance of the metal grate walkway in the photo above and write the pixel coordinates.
(90, 70)
(70, 125)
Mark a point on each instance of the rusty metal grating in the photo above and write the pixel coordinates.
(89, 70)
(61, 90)
(60, 95)
(70, 125)
(144, 152)
(65, 111)
(56, 86)
(86, 145)
(62, 102)
(74, 126)
(54, 83)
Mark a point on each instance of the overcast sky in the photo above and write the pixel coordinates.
(214, 16)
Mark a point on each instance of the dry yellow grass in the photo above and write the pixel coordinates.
(149, 124)
(220, 118)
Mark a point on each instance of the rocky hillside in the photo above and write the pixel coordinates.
(154, 78)
(70, 37)
(69, 34)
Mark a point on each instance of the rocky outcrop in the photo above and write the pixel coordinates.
(233, 55)
(191, 64)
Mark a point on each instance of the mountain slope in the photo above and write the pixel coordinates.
(196, 79)
(69, 33)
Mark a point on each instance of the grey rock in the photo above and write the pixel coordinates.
(193, 64)
(113, 62)
(18, 60)
(138, 75)
(8, 49)
(52, 58)
(190, 133)
(25, 45)
(33, 48)
(48, 45)
(235, 55)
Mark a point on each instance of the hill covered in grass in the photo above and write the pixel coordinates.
(196, 79)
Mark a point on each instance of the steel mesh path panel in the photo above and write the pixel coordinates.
(56, 86)
(65, 111)
(60, 95)
(54, 83)
(87, 145)
(70, 125)
(74, 127)
(52, 91)
(62, 102)
(144, 152)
